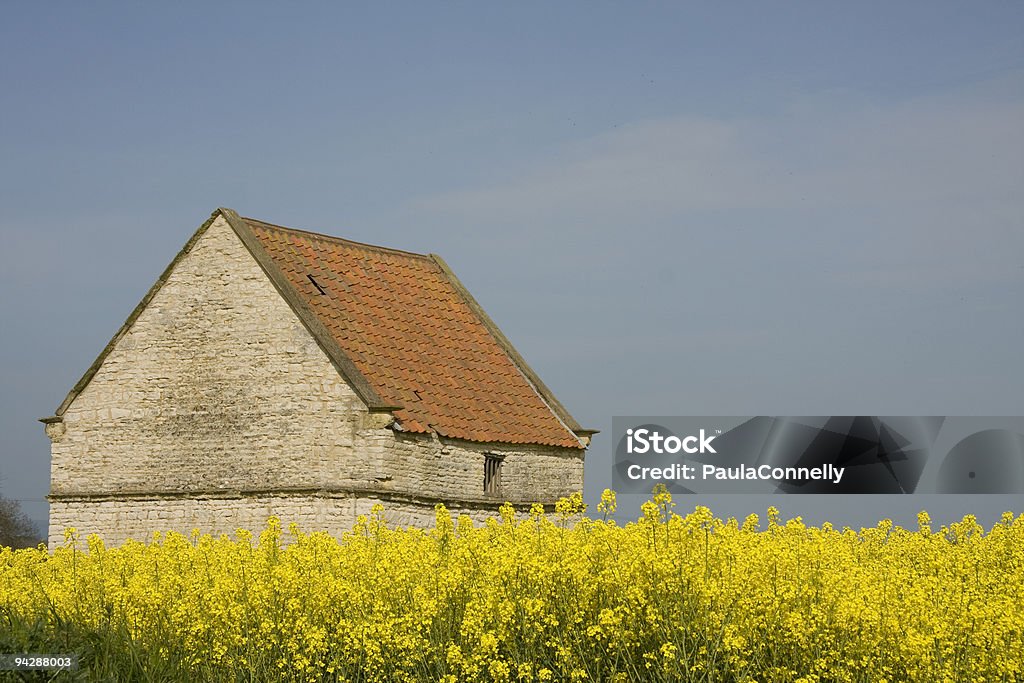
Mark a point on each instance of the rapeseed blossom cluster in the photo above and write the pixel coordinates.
(534, 597)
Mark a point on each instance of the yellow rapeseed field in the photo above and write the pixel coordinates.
(556, 597)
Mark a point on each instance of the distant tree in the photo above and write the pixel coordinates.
(16, 529)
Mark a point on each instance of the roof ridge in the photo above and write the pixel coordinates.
(341, 240)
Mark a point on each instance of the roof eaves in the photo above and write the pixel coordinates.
(342, 363)
(542, 390)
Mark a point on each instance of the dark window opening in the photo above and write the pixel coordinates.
(492, 473)
(317, 285)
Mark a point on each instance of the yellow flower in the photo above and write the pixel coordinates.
(666, 597)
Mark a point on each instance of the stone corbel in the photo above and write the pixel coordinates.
(54, 427)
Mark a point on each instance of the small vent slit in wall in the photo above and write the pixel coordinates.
(317, 285)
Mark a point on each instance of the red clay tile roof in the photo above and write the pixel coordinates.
(418, 339)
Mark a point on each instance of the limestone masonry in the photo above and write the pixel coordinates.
(243, 387)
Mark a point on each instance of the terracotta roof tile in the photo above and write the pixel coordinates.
(417, 340)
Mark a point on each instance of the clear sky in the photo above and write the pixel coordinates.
(670, 208)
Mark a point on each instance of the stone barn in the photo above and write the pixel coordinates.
(274, 371)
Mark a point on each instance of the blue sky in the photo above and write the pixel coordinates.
(799, 208)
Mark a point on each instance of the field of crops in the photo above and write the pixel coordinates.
(557, 597)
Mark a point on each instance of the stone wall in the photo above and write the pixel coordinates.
(217, 385)
(218, 405)
(118, 520)
(450, 469)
